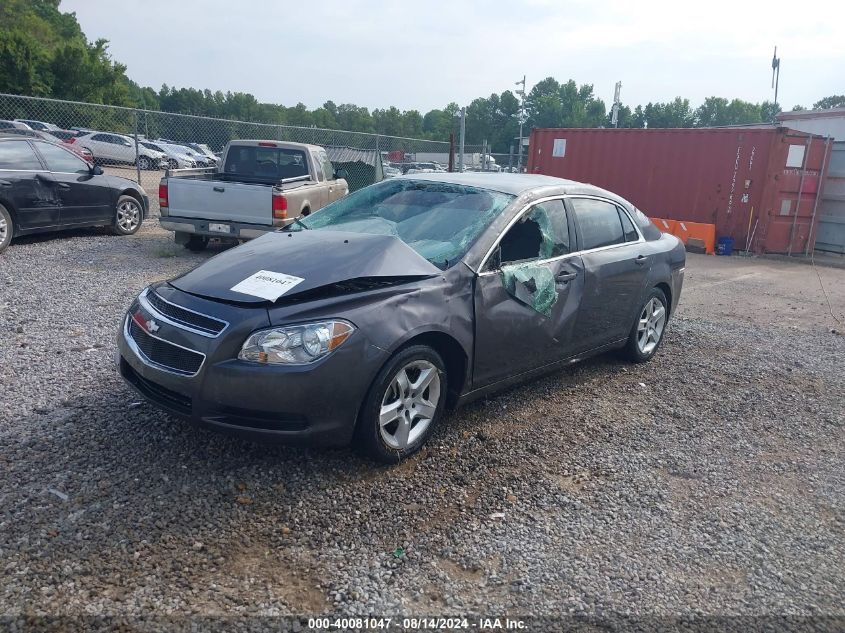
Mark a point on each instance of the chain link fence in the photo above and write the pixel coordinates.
(141, 144)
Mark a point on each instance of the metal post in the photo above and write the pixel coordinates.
(510, 158)
(807, 145)
(521, 93)
(484, 155)
(819, 193)
(451, 151)
(463, 138)
(137, 153)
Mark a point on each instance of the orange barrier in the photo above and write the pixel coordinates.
(667, 226)
(684, 230)
(698, 230)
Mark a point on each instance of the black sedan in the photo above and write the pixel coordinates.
(45, 187)
(363, 320)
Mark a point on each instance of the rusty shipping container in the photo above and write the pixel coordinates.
(731, 177)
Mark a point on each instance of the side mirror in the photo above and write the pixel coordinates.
(341, 173)
(96, 170)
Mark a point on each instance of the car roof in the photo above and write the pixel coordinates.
(503, 182)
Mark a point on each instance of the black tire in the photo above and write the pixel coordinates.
(128, 216)
(172, 164)
(144, 163)
(634, 350)
(368, 432)
(7, 228)
(196, 243)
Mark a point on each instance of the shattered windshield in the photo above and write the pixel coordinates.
(440, 221)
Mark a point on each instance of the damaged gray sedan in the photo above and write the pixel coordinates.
(362, 321)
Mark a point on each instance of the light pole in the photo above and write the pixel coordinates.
(521, 93)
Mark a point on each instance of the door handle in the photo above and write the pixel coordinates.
(640, 260)
(219, 189)
(565, 276)
(5, 183)
(63, 185)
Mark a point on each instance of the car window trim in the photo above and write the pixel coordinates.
(46, 163)
(565, 198)
(640, 237)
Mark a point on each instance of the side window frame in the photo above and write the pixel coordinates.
(492, 262)
(619, 209)
(35, 153)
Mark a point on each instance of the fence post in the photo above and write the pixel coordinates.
(137, 155)
(463, 137)
(451, 151)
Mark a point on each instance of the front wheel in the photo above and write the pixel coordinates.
(128, 216)
(403, 405)
(7, 228)
(647, 332)
(144, 163)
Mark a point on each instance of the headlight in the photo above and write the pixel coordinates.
(295, 344)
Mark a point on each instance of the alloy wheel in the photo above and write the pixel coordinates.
(144, 162)
(409, 404)
(4, 230)
(128, 216)
(650, 326)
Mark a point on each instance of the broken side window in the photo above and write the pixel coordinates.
(542, 233)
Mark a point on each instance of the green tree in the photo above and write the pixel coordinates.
(22, 64)
(833, 101)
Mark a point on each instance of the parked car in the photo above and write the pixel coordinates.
(13, 125)
(202, 153)
(361, 321)
(120, 149)
(46, 187)
(38, 125)
(176, 158)
(263, 185)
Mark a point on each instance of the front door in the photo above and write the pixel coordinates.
(86, 198)
(616, 264)
(527, 296)
(27, 187)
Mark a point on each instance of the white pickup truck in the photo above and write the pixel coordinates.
(262, 185)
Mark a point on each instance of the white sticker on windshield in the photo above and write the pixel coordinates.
(267, 284)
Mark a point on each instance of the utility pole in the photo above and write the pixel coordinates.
(521, 93)
(463, 137)
(614, 117)
(775, 72)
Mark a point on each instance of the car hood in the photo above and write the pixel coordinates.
(319, 258)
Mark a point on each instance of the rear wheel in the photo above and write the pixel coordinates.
(128, 216)
(403, 405)
(7, 228)
(196, 243)
(647, 332)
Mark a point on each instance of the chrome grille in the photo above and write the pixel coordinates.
(162, 353)
(183, 317)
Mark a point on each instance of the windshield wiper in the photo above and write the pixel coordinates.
(301, 223)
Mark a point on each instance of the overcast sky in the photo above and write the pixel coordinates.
(423, 55)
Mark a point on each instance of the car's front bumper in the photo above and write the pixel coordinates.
(314, 404)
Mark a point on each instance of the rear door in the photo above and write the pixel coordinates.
(27, 186)
(527, 295)
(616, 266)
(85, 198)
(337, 186)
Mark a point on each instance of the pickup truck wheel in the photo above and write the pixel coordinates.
(128, 216)
(7, 228)
(196, 243)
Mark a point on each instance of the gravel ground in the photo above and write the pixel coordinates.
(708, 481)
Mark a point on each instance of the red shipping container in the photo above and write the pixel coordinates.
(730, 177)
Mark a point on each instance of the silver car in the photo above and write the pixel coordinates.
(117, 148)
(177, 157)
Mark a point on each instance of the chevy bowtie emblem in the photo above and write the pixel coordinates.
(149, 326)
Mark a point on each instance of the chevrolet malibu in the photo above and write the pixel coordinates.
(362, 321)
